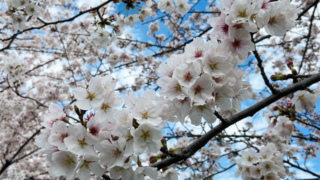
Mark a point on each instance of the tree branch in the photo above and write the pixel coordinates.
(182, 45)
(202, 141)
(308, 37)
(263, 74)
(302, 169)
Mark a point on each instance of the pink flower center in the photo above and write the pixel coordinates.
(187, 77)
(272, 20)
(225, 28)
(198, 53)
(63, 135)
(94, 131)
(264, 5)
(197, 89)
(236, 43)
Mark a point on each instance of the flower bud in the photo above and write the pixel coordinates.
(153, 159)
(275, 108)
(289, 103)
(164, 142)
(294, 71)
(279, 77)
(289, 64)
(187, 163)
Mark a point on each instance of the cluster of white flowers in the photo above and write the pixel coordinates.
(266, 164)
(180, 6)
(281, 132)
(102, 38)
(109, 137)
(241, 17)
(14, 68)
(18, 9)
(212, 152)
(202, 78)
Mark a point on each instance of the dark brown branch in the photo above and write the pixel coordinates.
(40, 66)
(220, 117)
(106, 177)
(262, 38)
(307, 9)
(210, 176)
(27, 97)
(202, 141)
(24, 156)
(308, 37)
(302, 169)
(308, 124)
(263, 74)
(182, 45)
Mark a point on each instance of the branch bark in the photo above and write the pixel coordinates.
(308, 37)
(263, 74)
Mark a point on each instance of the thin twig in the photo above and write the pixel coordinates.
(308, 37)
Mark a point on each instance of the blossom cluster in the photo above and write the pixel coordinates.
(205, 75)
(15, 69)
(241, 17)
(108, 137)
(19, 9)
(179, 6)
(201, 79)
(266, 164)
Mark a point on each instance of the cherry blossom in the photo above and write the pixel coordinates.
(201, 89)
(182, 6)
(86, 99)
(64, 163)
(112, 153)
(166, 5)
(205, 111)
(147, 136)
(217, 65)
(304, 101)
(187, 74)
(89, 164)
(78, 142)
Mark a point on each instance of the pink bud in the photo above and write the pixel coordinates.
(290, 64)
(187, 163)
